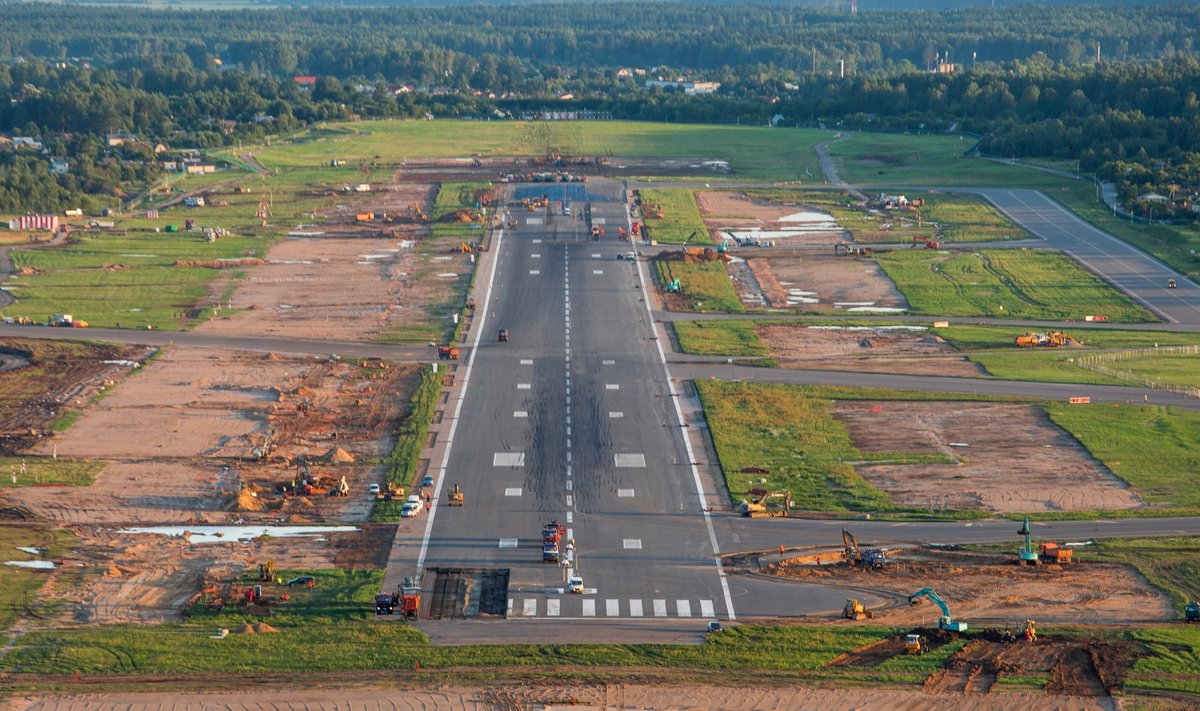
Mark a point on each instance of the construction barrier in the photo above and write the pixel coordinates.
(1095, 318)
(1080, 400)
(1104, 363)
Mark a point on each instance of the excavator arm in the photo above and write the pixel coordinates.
(929, 593)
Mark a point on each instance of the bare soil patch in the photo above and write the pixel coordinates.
(341, 279)
(868, 349)
(827, 283)
(737, 211)
(990, 590)
(1028, 464)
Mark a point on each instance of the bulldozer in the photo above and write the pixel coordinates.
(855, 610)
(454, 496)
(915, 644)
(760, 508)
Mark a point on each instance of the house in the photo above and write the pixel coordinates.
(6, 143)
(119, 139)
(624, 73)
(59, 166)
(200, 168)
(306, 81)
(26, 142)
(227, 125)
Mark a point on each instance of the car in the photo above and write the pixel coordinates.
(631, 256)
(620, 257)
(306, 580)
(575, 585)
(410, 510)
(714, 626)
(373, 489)
(502, 335)
(414, 499)
(427, 481)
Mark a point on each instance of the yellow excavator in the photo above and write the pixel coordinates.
(266, 571)
(761, 506)
(455, 496)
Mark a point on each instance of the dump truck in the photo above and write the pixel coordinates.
(1053, 339)
(1054, 553)
(447, 353)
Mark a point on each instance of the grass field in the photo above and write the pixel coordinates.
(705, 286)
(1182, 370)
(19, 586)
(946, 217)
(754, 152)
(1155, 449)
(727, 338)
(1173, 662)
(1004, 283)
(681, 217)
(410, 440)
(44, 470)
(935, 160)
(789, 432)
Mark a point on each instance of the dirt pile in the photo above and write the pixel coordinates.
(220, 263)
(248, 500)
(337, 455)
(708, 254)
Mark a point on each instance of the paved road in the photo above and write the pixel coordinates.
(1133, 271)
(573, 420)
(688, 369)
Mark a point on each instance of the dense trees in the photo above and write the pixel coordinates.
(1026, 79)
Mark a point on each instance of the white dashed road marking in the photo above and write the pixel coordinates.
(520, 413)
(589, 608)
(633, 544)
(684, 607)
(508, 459)
(625, 493)
(508, 543)
(524, 386)
(660, 608)
(616, 415)
(629, 460)
(612, 608)
(512, 491)
(612, 386)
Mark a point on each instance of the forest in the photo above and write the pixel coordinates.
(1025, 79)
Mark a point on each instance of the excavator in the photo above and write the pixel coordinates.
(266, 571)
(758, 508)
(870, 557)
(455, 496)
(945, 622)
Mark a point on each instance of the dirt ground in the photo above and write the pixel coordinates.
(890, 350)
(728, 210)
(179, 441)
(827, 283)
(990, 590)
(342, 280)
(1029, 464)
(616, 697)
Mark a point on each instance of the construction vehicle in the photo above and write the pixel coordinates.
(410, 596)
(502, 335)
(363, 217)
(945, 622)
(464, 247)
(418, 213)
(552, 534)
(1191, 612)
(674, 286)
(759, 507)
(915, 644)
(385, 604)
(929, 243)
(266, 571)
(1053, 339)
(454, 496)
(342, 489)
(1027, 555)
(840, 249)
(447, 353)
(855, 610)
(1054, 553)
(1030, 631)
(868, 558)
(1170, 283)
(596, 232)
(652, 209)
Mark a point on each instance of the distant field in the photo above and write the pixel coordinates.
(128, 280)
(764, 153)
(934, 160)
(705, 286)
(1153, 448)
(1004, 283)
(681, 217)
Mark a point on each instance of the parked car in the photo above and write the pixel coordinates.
(409, 510)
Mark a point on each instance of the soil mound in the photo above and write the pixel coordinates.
(245, 629)
(264, 628)
(338, 455)
(247, 500)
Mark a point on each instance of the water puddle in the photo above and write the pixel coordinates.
(229, 534)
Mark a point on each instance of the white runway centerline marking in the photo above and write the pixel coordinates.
(534, 272)
(597, 271)
(508, 459)
(508, 543)
(609, 362)
(513, 491)
(612, 386)
(535, 256)
(524, 386)
(632, 544)
(616, 415)
(629, 460)
(520, 413)
(625, 493)
(527, 361)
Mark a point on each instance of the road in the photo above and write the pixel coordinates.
(574, 420)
